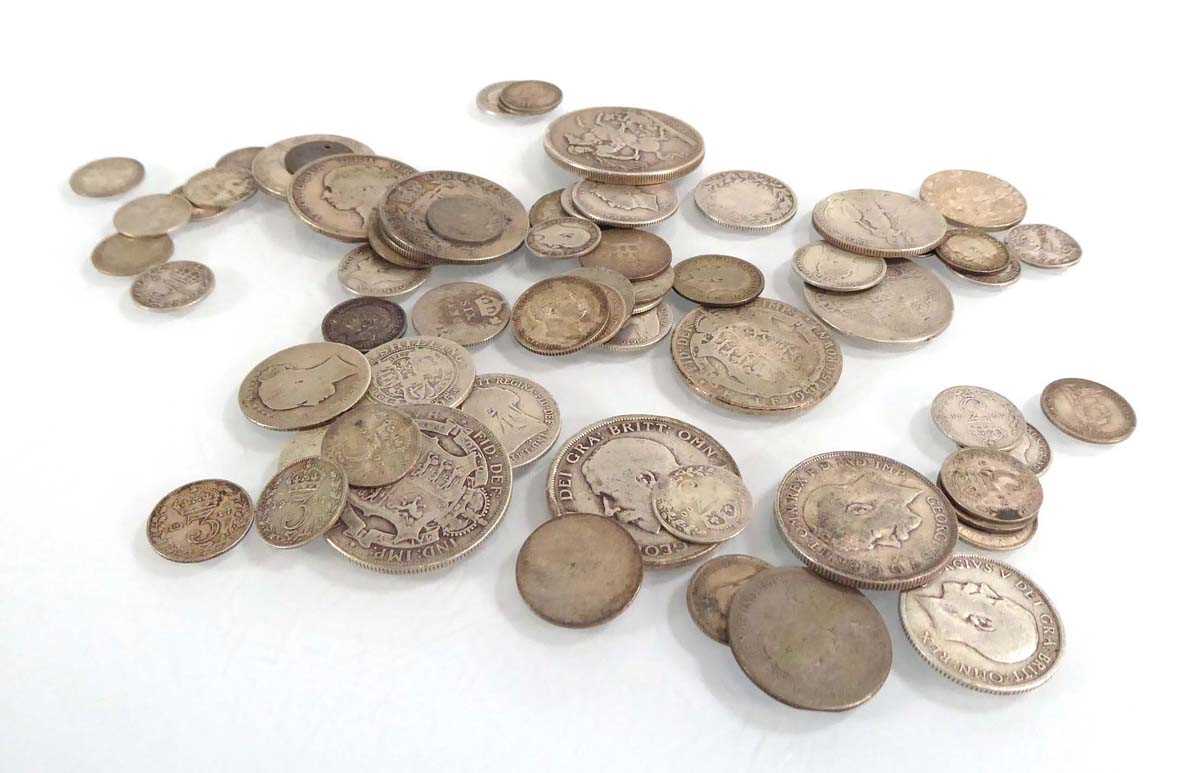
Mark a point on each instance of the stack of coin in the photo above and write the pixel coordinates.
(518, 98)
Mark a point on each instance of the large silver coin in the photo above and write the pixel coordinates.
(1088, 411)
(745, 201)
(303, 386)
(1043, 246)
(910, 306)
(268, 166)
(826, 267)
(107, 177)
(420, 370)
(880, 223)
(336, 195)
(624, 145)
(977, 417)
(624, 206)
(520, 412)
(974, 199)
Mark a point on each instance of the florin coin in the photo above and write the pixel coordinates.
(702, 504)
(977, 253)
(375, 445)
(420, 370)
(978, 418)
(200, 520)
(718, 280)
(520, 412)
(153, 215)
(467, 313)
(826, 267)
(303, 386)
(242, 158)
(529, 97)
(608, 278)
(307, 152)
(548, 207)
(974, 199)
(268, 166)
(712, 587)
(624, 206)
(364, 323)
(172, 286)
(985, 625)
(219, 188)
(1003, 278)
(992, 486)
(809, 643)
(643, 331)
(438, 513)
(638, 255)
(564, 237)
(488, 98)
(579, 570)
(1088, 411)
(303, 445)
(561, 315)
(107, 177)
(879, 223)
(991, 540)
(865, 520)
(1032, 450)
(612, 466)
(623, 145)
(648, 292)
(336, 195)
(363, 272)
(120, 255)
(302, 502)
(1043, 246)
(746, 201)
(391, 252)
(909, 306)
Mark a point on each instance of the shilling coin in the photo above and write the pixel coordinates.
(624, 145)
(200, 520)
(364, 323)
(306, 153)
(648, 292)
(712, 587)
(488, 98)
(974, 199)
(826, 267)
(374, 445)
(643, 331)
(1043, 246)
(992, 486)
(548, 207)
(984, 625)
(337, 194)
(975, 252)
(1032, 450)
(624, 206)
(391, 252)
(172, 286)
(1002, 278)
(746, 201)
(438, 513)
(420, 370)
(611, 467)
(529, 97)
(303, 444)
(764, 357)
(120, 255)
(467, 313)
(201, 214)
(107, 177)
(638, 255)
(153, 215)
(302, 502)
(564, 237)
(242, 158)
(303, 386)
(978, 418)
(718, 280)
(702, 504)
(865, 520)
(879, 223)
(909, 306)
(611, 279)
(809, 643)
(268, 166)
(221, 187)
(520, 412)
(579, 570)
(363, 272)
(561, 315)
(1088, 411)
(992, 540)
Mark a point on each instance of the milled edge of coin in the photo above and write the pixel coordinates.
(249, 501)
(692, 594)
(798, 258)
(878, 252)
(997, 541)
(627, 178)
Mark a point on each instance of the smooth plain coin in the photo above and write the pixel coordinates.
(107, 177)
(120, 255)
(242, 158)
(153, 215)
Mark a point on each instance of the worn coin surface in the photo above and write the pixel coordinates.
(200, 520)
(221, 187)
(529, 97)
(363, 272)
(979, 418)
(172, 286)
(974, 199)
(303, 444)
(972, 251)
(610, 279)
(561, 315)
(107, 177)
(638, 255)
(648, 292)
(438, 513)
(568, 206)
(643, 331)
(1043, 246)
(1088, 411)
(242, 158)
(1002, 278)
(984, 625)
(306, 153)
(336, 195)
(374, 444)
(563, 237)
(718, 280)
(302, 502)
(712, 587)
(992, 486)
(619, 312)
(880, 223)
(809, 643)
(579, 570)
(624, 206)
(488, 98)
(613, 466)
(824, 266)
(519, 411)
(865, 520)
(392, 252)
(467, 313)
(153, 215)
(702, 504)
(624, 145)
(421, 370)
(996, 540)
(303, 386)
(747, 201)
(764, 357)
(268, 166)
(201, 214)
(364, 323)
(120, 255)
(1032, 450)
(909, 306)
(548, 207)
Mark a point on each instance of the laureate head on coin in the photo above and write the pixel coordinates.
(301, 502)
(200, 520)
(627, 145)
(1088, 411)
(303, 386)
(521, 413)
(336, 195)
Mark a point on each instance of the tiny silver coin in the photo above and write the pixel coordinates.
(107, 177)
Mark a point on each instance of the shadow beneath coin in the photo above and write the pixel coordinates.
(1060, 441)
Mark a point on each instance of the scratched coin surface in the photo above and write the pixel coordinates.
(974, 199)
(712, 587)
(824, 266)
(200, 520)
(702, 504)
(638, 255)
(865, 520)
(221, 188)
(718, 280)
(363, 272)
(302, 445)
(643, 331)
(985, 626)
(624, 206)
(303, 386)
(979, 418)
(809, 643)
(764, 357)
(880, 223)
(519, 411)
(746, 201)
(302, 502)
(467, 313)
(1088, 411)
(364, 323)
(991, 486)
(996, 540)
(1032, 450)
(172, 286)
(560, 315)
(153, 215)
(422, 370)
(336, 195)
(612, 468)
(972, 251)
(579, 570)
(374, 444)
(120, 255)
(1043, 246)
(242, 158)
(107, 177)
(909, 306)
(268, 165)
(563, 237)
(529, 97)
(548, 207)
(623, 145)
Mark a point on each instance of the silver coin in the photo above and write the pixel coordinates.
(420, 370)
(643, 331)
(702, 504)
(201, 214)
(220, 188)
(242, 158)
(626, 145)
(373, 444)
(1043, 246)
(301, 503)
(488, 98)
(268, 166)
(200, 520)
(909, 306)
(467, 313)
(1032, 450)
(120, 255)
(978, 418)
(624, 206)
(992, 487)
(880, 223)
(529, 97)
(302, 445)
(826, 267)
(745, 201)
(609, 278)
(521, 413)
(363, 272)
(718, 280)
(711, 590)
(336, 195)
(996, 540)
(548, 207)
(648, 292)
(974, 252)
(1003, 278)
(974, 199)
(1088, 411)
(153, 215)
(563, 237)
(172, 286)
(304, 386)
(107, 177)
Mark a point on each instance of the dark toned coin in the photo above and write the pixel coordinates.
(364, 323)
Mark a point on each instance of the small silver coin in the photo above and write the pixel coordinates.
(702, 504)
(564, 237)
(363, 272)
(488, 98)
(172, 286)
(975, 417)
(974, 199)
(624, 206)
(548, 207)
(643, 331)
(107, 177)
(992, 487)
(1043, 246)
(826, 267)
(974, 252)
(120, 255)
(364, 323)
(529, 97)
(242, 158)
(711, 590)
(1088, 411)
(745, 201)
(220, 188)
(1003, 278)
(153, 215)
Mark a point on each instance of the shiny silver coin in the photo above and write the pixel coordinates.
(624, 206)
(974, 199)
(1043, 246)
(975, 417)
(172, 286)
(702, 504)
(154, 215)
(910, 306)
(826, 267)
(268, 166)
(1088, 411)
(626, 145)
(880, 223)
(745, 201)
(107, 177)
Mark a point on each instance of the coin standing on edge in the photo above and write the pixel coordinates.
(519, 411)
(363, 272)
(375, 445)
(745, 201)
(1088, 411)
(107, 177)
(623, 145)
(154, 215)
(172, 286)
(303, 386)
(467, 313)
(711, 590)
(718, 280)
(974, 199)
(703, 504)
(200, 520)
(560, 315)
(880, 223)
(826, 267)
(1043, 246)
(301, 503)
(420, 370)
(564, 237)
(120, 255)
(978, 418)
(364, 323)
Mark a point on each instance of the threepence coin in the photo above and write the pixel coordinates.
(172, 286)
(363, 272)
(220, 188)
(624, 145)
(1042, 246)
(746, 201)
(153, 215)
(564, 237)
(978, 418)
(301, 503)
(718, 280)
(703, 504)
(1088, 411)
(643, 331)
(420, 370)
(712, 587)
(336, 195)
(519, 411)
(200, 520)
(364, 323)
(303, 386)
(826, 267)
(561, 315)
(992, 486)
(910, 306)
(467, 313)
(374, 444)
(107, 177)
(638, 255)
(624, 206)
(120, 255)
(879, 223)
(975, 252)
(974, 199)
(268, 166)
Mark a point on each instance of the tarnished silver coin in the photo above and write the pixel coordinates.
(910, 306)
(301, 503)
(561, 315)
(242, 158)
(978, 418)
(880, 223)
(809, 643)
(221, 188)
(268, 166)
(1002, 278)
(488, 98)
(336, 195)
(826, 267)
(391, 252)
(624, 145)
(996, 540)
(529, 97)
(107, 177)
(643, 331)
(619, 311)
(200, 520)
(1042, 246)
(975, 252)
(992, 486)
(1032, 450)
(712, 587)
(974, 199)
(746, 201)
(519, 411)
(303, 386)
(120, 255)
(153, 215)
(306, 153)
(638, 255)
(548, 207)
(984, 625)
(374, 444)
(702, 504)
(364, 323)
(202, 214)
(567, 205)
(611, 468)
(302, 445)
(467, 313)
(363, 272)
(420, 370)
(172, 286)
(624, 206)
(1088, 411)
(564, 237)
(866, 520)
(611, 279)
(648, 292)
(718, 280)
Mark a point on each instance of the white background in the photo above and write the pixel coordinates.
(112, 658)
